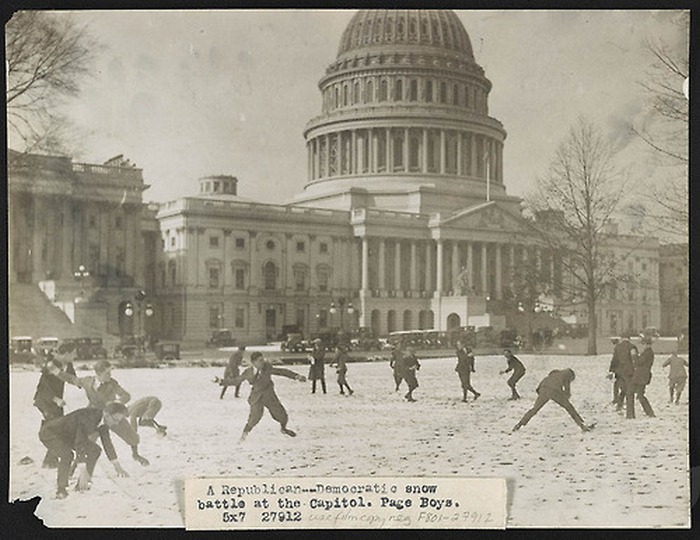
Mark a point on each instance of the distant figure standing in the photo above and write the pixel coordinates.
(465, 368)
(642, 377)
(518, 369)
(341, 368)
(409, 366)
(618, 394)
(395, 365)
(263, 395)
(624, 357)
(233, 370)
(317, 369)
(677, 376)
(555, 386)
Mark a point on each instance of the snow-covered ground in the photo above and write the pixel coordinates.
(625, 473)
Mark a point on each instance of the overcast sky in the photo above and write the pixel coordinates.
(188, 94)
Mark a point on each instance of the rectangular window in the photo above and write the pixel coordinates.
(214, 316)
(413, 90)
(300, 279)
(301, 247)
(239, 321)
(240, 243)
(240, 278)
(323, 247)
(172, 241)
(323, 319)
(323, 281)
(301, 318)
(213, 278)
(213, 241)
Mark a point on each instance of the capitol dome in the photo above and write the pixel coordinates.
(404, 108)
(405, 27)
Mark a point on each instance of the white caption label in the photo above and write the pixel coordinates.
(345, 503)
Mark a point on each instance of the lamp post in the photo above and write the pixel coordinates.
(80, 274)
(143, 311)
(341, 308)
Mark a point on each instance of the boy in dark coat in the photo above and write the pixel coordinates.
(409, 366)
(73, 433)
(395, 364)
(618, 394)
(262, 393)
(341, 369)
(518, 369)
(317, 369)
(555, 386)
(642, 377)
(624, 357)
(48, 397)
(465, 368)
(677, 376)
(233, 370)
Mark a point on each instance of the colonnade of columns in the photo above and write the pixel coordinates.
(451, 267)
(391, 149)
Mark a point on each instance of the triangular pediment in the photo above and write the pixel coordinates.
(487, 216)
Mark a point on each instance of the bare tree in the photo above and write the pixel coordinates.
(573, 207)
(666, 132)
(47, 56)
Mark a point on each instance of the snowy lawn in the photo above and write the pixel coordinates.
(630, 473)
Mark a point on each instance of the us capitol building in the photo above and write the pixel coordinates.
(404, 222)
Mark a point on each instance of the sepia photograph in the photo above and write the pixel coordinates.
(377, 268)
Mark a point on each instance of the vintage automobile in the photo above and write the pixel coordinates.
(45, 345)
(87, 348)
(21, 349)
(167, 350)
(294, 343)
(221, 338)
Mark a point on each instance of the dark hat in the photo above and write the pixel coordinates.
(256, 355)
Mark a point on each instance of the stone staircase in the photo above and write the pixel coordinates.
(32, 314)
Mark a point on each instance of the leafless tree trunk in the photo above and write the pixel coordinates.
(47, 56)
(573, 205)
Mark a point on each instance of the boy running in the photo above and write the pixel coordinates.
(409, 366)
(262, 393)
(233, 369)
(677, 376)
(465, 368)
(341, 369)
(518, 369)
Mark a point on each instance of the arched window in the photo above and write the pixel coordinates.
(443, 92)
(335, 101)
(466, 96)
(398, 90)
(414, 154)
(270, 276)
(345, 95)
(413, 90)
(455, 95)
(398, 151)
(369, 92)
(356, 92)
(383, 90)
(381, 151)
(429, 91)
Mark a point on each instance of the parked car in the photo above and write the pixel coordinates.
(21, 349)
(88, 348)
(221, 338)
(294, 343)
(45, 345)
(167, 350)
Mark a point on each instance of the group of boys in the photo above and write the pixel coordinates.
(70, 438)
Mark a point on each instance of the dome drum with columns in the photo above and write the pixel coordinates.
(404, 110)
